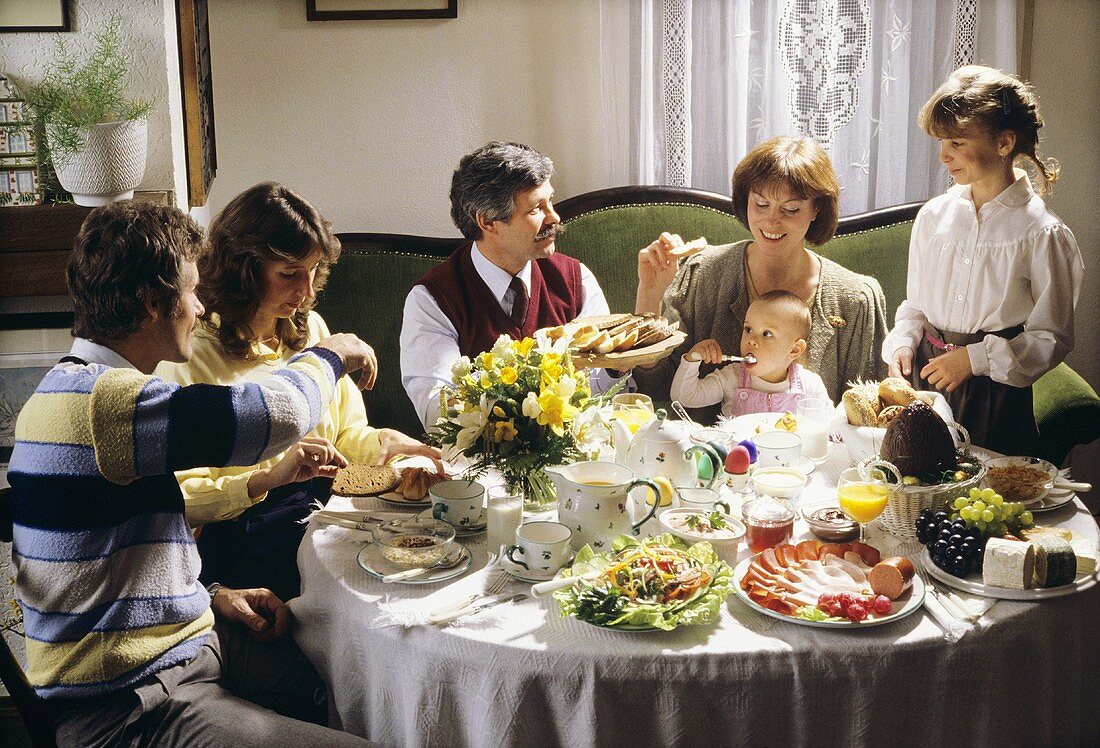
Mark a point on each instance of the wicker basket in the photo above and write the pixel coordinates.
(906, 502)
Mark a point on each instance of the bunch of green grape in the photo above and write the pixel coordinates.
(988, 512)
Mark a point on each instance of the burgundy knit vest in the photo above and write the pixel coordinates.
(556, 298)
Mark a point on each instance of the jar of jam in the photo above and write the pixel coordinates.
(768, 522)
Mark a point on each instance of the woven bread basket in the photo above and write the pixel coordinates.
(906, 502)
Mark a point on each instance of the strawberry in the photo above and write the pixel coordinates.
(738, 460)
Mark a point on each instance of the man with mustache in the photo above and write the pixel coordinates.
(506, 280)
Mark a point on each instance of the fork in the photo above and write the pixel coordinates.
(502, 580)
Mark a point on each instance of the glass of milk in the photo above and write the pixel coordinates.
(813, 426)
(504, 515)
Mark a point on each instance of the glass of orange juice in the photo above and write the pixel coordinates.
(863, 491)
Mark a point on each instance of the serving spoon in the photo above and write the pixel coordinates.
(451, 560)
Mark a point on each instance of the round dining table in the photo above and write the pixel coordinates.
(520, 675)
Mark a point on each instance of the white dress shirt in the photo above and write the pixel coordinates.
(94, 353)
(1013, 262)
(429, 341)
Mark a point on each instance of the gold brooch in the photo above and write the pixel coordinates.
(837, 322)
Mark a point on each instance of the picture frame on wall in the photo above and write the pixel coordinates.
(376, 10)
(34, 15)
(20, 374)
(197, 87)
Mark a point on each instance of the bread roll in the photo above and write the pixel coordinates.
(888, 414)
(895, 391)
(861, 411)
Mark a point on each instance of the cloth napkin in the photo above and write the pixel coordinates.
(393, 611)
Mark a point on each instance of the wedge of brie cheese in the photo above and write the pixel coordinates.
(1085, 550)
(1008, 563)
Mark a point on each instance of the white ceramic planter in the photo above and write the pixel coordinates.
(110, 166)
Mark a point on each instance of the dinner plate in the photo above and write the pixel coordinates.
(1052, 500)
(371, 560)
(974, 585)
(392, 497)
(910, 603)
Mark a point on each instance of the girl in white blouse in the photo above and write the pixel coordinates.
(994, 275)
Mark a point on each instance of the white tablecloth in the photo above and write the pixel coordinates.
(519, 675)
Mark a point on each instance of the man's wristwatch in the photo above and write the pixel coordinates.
(213, 588)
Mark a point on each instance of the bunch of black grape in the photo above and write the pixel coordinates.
(954, 547)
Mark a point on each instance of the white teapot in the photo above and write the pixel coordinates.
(663, 447)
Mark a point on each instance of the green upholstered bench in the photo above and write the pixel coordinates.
(605, 229)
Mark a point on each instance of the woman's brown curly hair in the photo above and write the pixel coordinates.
(265, 223)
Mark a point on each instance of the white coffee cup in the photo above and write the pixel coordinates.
(777, 449)
(542, 547)
(459, 503)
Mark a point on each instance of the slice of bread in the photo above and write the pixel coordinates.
(364, 480)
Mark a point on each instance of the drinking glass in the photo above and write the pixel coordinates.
(634, 409)
(813, 426)
(504, 515)
(863, 492)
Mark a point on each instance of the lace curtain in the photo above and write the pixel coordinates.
(709, 79)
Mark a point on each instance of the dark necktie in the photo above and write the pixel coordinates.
(519, 301)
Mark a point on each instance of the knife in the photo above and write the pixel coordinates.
(452, 615)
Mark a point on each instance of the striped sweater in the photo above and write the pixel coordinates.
(106, 567)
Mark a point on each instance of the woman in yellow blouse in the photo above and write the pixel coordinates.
(270, 253)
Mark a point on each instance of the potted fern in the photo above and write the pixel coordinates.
(96, 135)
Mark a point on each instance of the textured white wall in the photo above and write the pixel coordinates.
(148, 30)
(1065, 70)
(368, 119)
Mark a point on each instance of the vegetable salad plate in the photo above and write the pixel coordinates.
(647, 584)
(906, 605)
(974, 585)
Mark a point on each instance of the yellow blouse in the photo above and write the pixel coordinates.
(216, 494)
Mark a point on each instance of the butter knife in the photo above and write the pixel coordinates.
(453, 615)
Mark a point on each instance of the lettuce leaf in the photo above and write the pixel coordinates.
(591, 604)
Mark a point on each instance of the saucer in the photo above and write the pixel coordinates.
(371, 560)
(523, 575)
(461, 531)
(804, 465)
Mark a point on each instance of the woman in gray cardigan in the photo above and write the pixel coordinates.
(785, 191)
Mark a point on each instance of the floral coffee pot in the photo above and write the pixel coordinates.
(593, 501)
(662, 447)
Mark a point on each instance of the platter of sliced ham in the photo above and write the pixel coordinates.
(807, 584)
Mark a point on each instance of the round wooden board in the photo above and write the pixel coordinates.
(634, 357)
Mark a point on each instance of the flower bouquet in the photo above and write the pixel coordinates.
(517, 408)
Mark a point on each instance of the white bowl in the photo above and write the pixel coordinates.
(727, 547)
(1029, 492)
(780, 482)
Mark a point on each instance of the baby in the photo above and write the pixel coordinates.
(777, 326)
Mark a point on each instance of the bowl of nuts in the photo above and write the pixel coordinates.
(414, 541)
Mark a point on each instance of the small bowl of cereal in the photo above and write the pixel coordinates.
(1024, 479)
(415, 541)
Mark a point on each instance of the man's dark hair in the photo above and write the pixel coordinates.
(486, 183)
(126, 254)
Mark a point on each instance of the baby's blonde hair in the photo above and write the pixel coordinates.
(981, 97)
(794, 310)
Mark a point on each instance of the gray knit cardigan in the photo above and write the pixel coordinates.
(709, 296)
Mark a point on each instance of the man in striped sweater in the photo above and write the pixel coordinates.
(123, 642)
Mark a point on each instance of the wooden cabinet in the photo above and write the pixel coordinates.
(35, 242)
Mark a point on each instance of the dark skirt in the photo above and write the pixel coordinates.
(260, 547)
(998, 416)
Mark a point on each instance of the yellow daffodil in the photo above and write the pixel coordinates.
(504, 431)
(524, 347)
(508, 375)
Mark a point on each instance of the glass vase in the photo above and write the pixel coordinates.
(538, 490)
